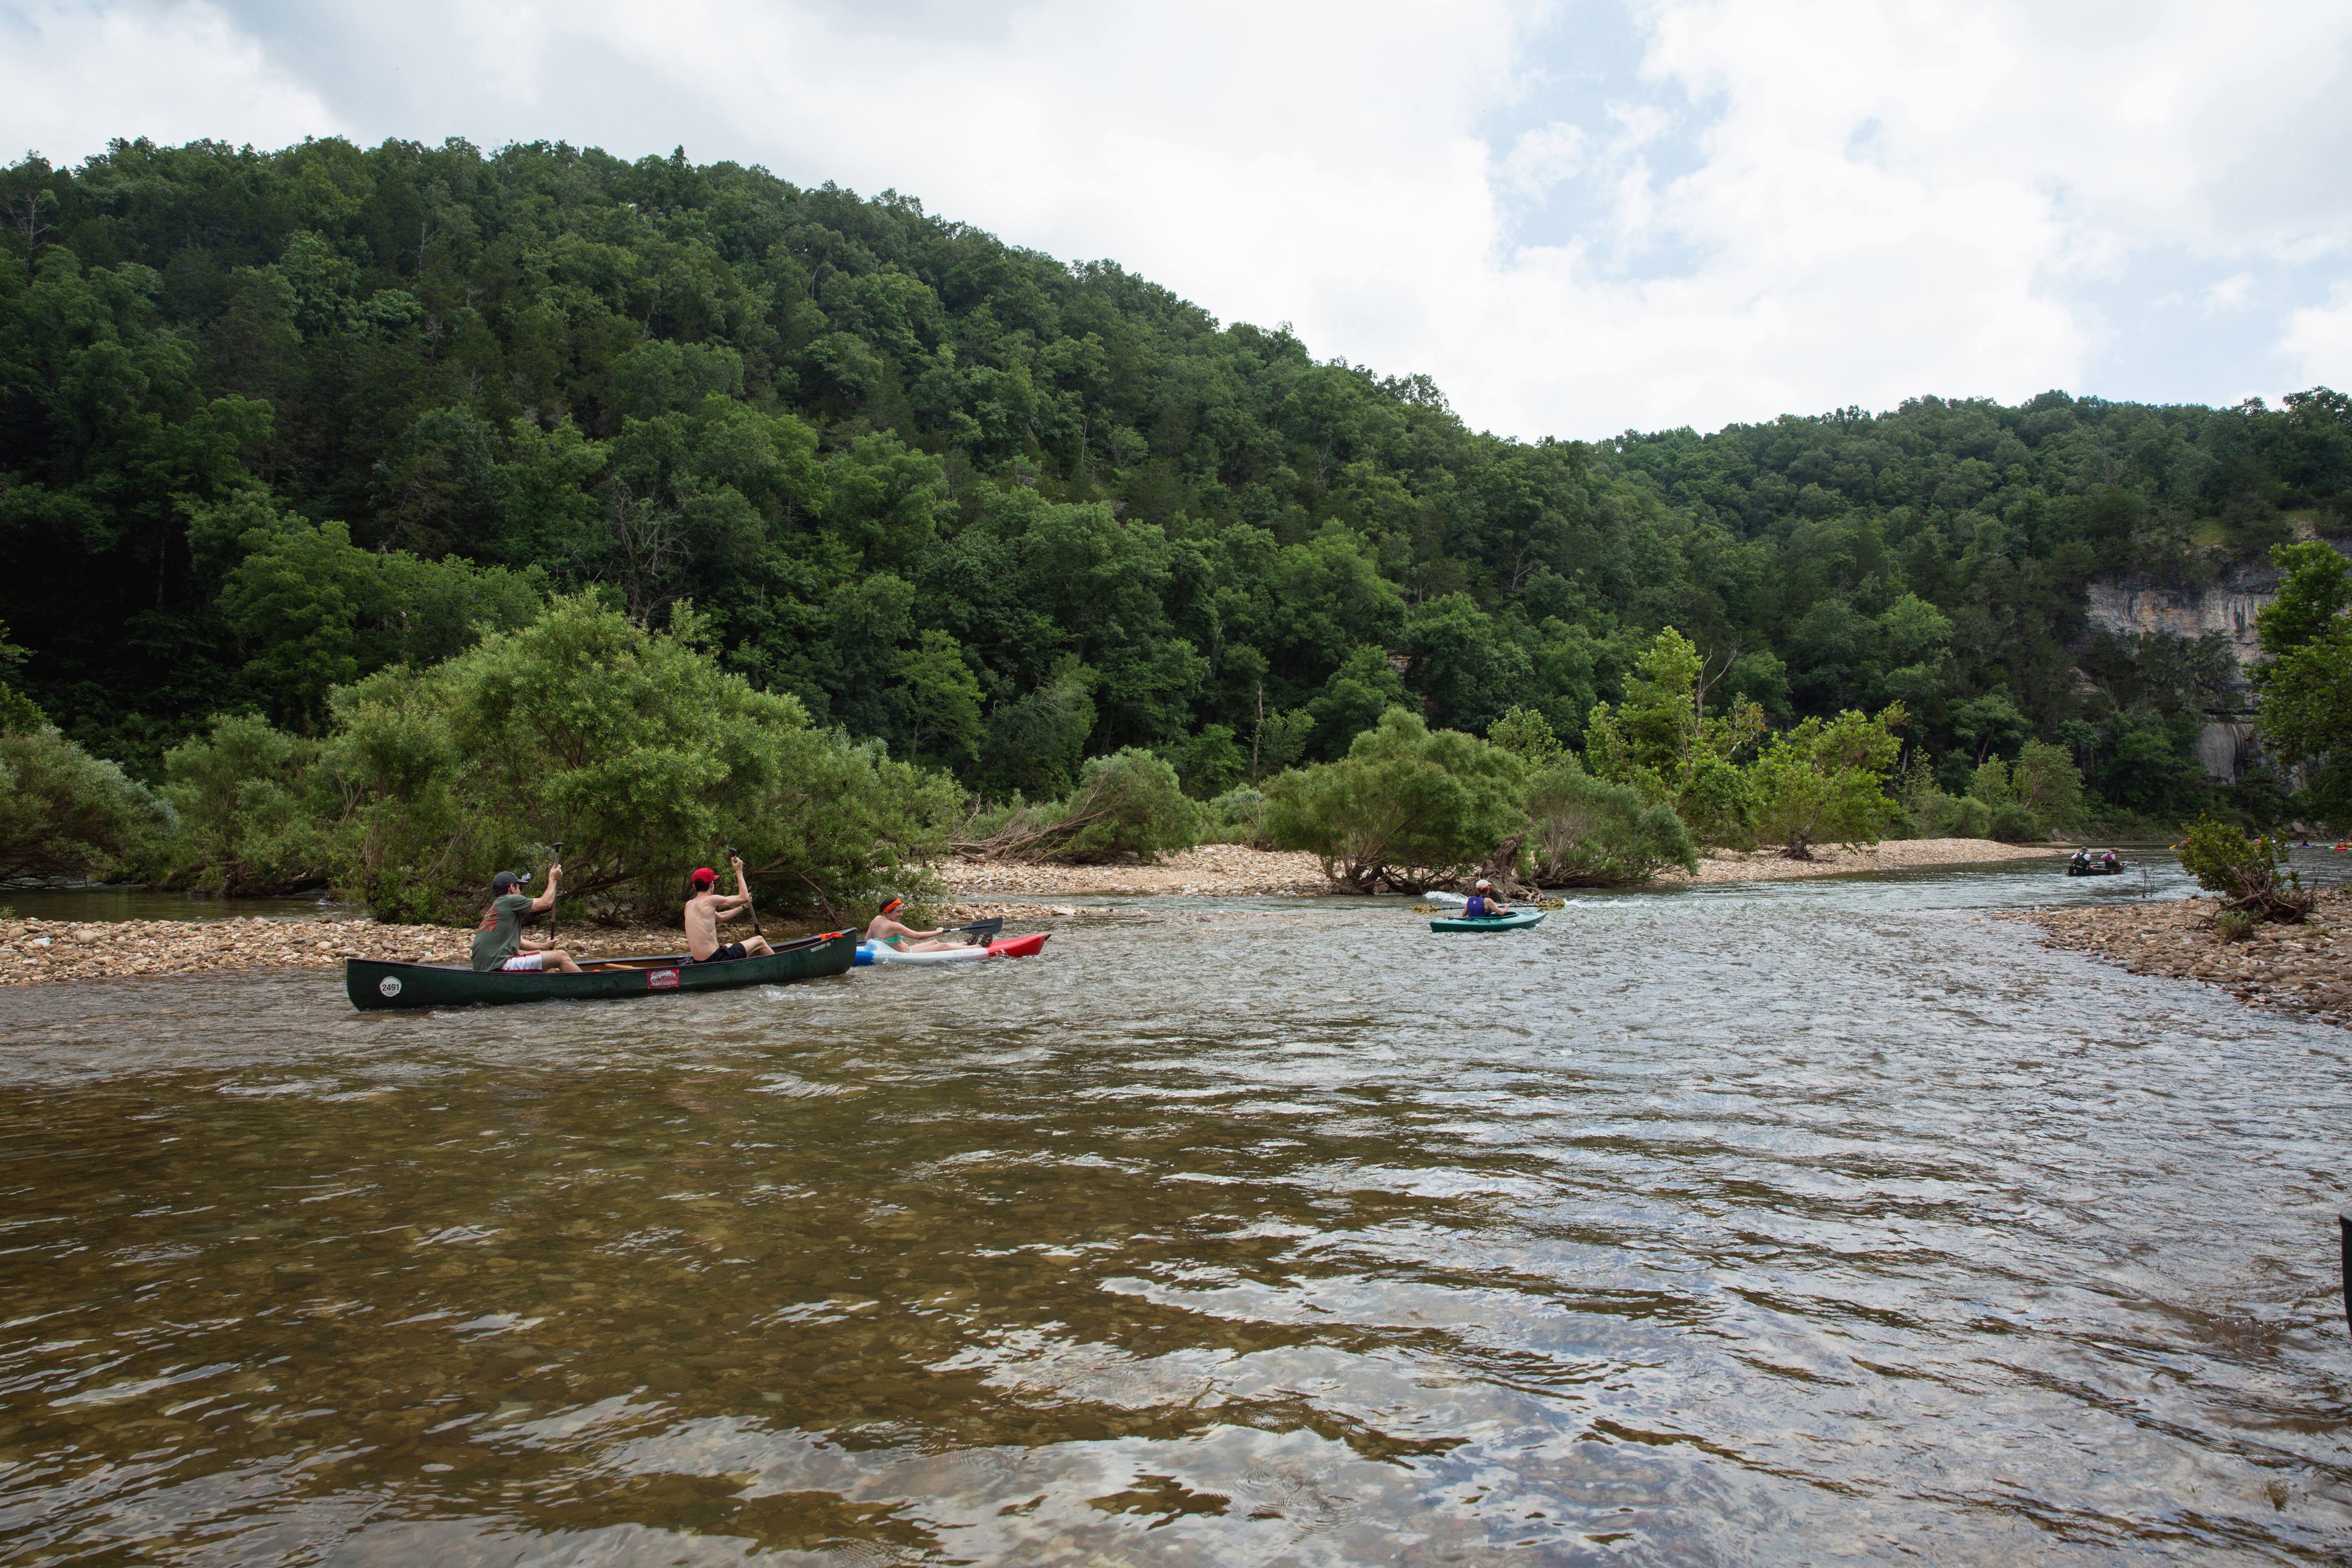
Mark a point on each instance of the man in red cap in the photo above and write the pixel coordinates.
(707, 907)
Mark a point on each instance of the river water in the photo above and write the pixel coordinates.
(1777, 1223)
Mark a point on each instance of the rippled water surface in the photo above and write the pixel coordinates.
(1787, 1223)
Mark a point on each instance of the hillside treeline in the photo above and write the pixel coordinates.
(274, 422)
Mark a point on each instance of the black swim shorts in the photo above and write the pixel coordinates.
(733, 950)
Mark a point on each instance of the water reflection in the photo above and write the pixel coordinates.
(1773, 1223)
(125, 903)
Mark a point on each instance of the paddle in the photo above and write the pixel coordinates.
(743, 886)
(558, 858)
(983, 931)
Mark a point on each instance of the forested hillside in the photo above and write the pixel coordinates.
(270, 421)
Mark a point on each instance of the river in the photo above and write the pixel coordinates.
(1776, 1222)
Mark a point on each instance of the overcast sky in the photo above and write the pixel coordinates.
(1579, 216)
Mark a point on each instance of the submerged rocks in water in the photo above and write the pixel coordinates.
(2300, 968)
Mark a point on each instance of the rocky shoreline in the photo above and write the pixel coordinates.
(2304, 969)
(36, 950)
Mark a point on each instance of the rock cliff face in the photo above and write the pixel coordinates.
(2228, 608)
(2227, 746)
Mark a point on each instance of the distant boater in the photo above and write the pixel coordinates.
(707, 907)
(499, 941)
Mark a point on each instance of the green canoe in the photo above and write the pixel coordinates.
(1519, 920)
(374, 984)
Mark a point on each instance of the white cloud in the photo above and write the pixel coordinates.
(1542, 157)
(1791, 204)
(2319, 339)
(73, 76)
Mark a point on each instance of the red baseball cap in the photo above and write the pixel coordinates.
(704, 875)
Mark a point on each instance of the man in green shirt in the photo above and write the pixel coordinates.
(499, 941)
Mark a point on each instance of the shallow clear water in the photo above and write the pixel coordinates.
(1774, 1223)
(149, 904)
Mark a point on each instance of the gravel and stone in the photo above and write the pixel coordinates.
(2302, 968)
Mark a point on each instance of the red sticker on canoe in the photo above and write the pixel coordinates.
(662, 979)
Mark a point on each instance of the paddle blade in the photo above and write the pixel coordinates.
(984, 929)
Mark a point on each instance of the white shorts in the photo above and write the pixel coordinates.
(524, 963)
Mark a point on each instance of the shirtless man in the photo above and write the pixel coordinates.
(708, 908)
(882, 929)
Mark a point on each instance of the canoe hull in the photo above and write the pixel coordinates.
(1519, 920)
(376, 985)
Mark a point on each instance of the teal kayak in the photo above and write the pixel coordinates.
(1519, 920)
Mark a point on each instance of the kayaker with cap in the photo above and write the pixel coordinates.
(1484, 904)
(884, 929)
(499, 941)
(707, 907)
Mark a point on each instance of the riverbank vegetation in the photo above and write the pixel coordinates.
(304, 455)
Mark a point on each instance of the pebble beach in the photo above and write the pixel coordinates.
(2302, 968)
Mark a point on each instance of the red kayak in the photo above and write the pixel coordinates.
(1019, 946)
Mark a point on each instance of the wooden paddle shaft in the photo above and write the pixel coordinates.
(743, 886)
(558, 859)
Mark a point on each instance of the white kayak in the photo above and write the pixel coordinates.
(1004, 947)
(883, 952)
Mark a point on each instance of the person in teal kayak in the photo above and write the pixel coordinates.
(886, 930)
(499, 941)
(1484, 904)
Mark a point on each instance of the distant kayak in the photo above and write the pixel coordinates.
(872, 953)
(1517, 921)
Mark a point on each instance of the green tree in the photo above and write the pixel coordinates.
(1826, 782)
(1406, 808)
(317, 612)
(1126, 805)
(939, 699)
(1525, 733)
(1649, 739)
(2047, 783)
(1990, 784)
(17, 711)
(2251, 873)
(252, 818)
(64, 813)
(2304, 686)
(1585, 832)
(637, 751)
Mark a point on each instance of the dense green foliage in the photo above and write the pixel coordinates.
(2306, 679)
(255, 813)
(270, 421)
(1822, 783)
(1127, 806)
(2249, 874)
(1584, 832)
(634, 748)
(64, 813)
(1407, 808)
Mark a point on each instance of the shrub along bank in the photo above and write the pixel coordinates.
(632, 748)
(643, 756)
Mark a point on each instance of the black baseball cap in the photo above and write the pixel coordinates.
(506, 880)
